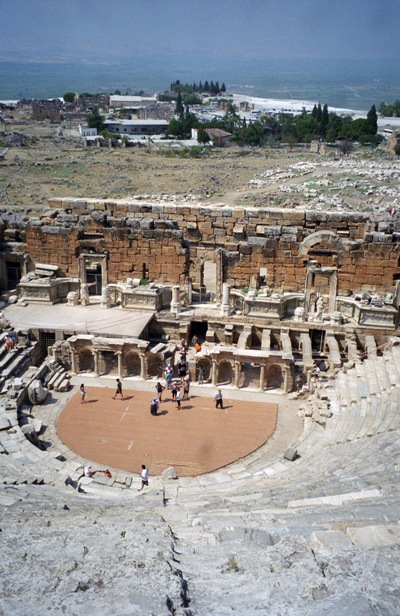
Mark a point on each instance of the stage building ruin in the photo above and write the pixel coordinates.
(268, 292)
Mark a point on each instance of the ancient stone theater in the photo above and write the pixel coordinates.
(296, 309)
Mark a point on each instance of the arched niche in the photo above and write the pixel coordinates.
(132, 364)
(225, 373)
(85, 361)
(274, 377)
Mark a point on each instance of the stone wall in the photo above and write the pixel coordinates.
(168, 242)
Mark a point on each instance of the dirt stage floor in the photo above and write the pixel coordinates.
(122, 434)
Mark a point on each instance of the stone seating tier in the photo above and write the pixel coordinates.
(338, 498)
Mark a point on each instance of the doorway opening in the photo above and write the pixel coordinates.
(317, 340)
(210, 280)
(198, 329)
(93, 277)
(13, 274)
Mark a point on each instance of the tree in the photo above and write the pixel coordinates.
(191, 99)
(95, 120)
(202, 135)
(372, 121)
(335, 123)
(324, 120)
(69, 97)
(382, 109)
(179, 106)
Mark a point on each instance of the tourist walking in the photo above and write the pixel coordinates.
(144, 475)
(118, 390)
(83, 393)
(159, 388)
(174, 389)
(186, 387)
(178, 399)
(218, 400)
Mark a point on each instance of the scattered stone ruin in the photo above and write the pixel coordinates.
(43, 109)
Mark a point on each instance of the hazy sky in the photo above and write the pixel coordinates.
(100, 29)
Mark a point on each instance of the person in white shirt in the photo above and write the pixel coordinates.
(218, 399)
(144, 477)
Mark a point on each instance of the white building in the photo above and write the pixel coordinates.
(118, 101)
(138, 128)
(85, 131)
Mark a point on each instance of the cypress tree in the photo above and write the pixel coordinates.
(372, 121)
(179, 105)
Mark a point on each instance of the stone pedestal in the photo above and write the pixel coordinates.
(176, 305)
(105, 298)
(336, 318)
(72, 298)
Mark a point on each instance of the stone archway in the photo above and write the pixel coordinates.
(85, 361)
(108, 362)
(132, 364)
(225, 373)
(274, 376)
(206, 365)
(250, 375)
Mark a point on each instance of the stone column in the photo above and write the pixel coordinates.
(96, 363)
(219, 260)
(189, 290)
(104, 270)
(332, 291)
(214, 372)
(143, 366)
(73, 361)
(176, 302)
(226, 306)
(285, 380)
(82, 269)
(119, 357)
(237, 374)
(262, 376)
